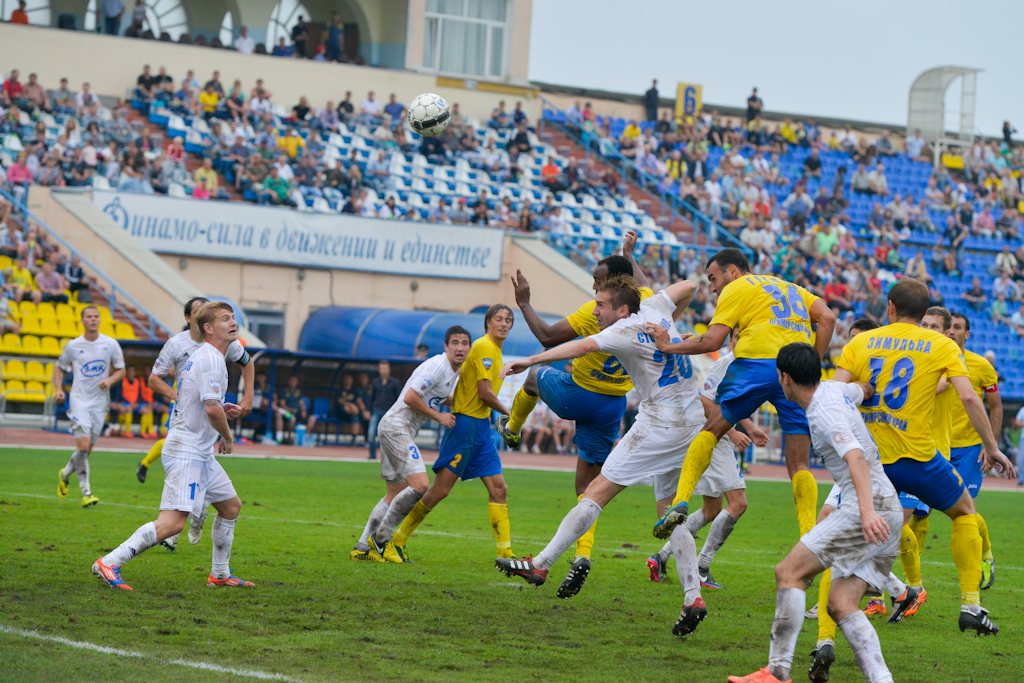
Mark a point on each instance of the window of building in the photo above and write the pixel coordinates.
(165, 16)
(282, 19)
(467, 37)
(268, 325)
(226, 34)
(38, 11)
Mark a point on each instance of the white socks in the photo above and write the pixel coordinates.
(222, 534)
(372, 522)
(790, 604)
(685, 552)
(696, 521)
(79, 463)
(864, 642)
(401, 505)
(895, 586)
(575, 524)
(719, 532)
(142, 540)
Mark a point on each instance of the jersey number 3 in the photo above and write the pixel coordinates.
(788, 303)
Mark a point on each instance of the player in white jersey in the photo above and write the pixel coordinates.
(96, 363)
(722, 478)
(653, 450)
(430, 385)
(173, 356)
(857, 541)
(192, 475)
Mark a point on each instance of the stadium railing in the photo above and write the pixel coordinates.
(149, 326)
(672, 206)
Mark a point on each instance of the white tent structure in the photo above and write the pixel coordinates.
(926, 108)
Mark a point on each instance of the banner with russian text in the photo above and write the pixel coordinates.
(233, 230)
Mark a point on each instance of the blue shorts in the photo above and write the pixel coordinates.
(747, 384)
(965, 460)
(468, 449)
(911, 502)
(935, 483)
(598, 416)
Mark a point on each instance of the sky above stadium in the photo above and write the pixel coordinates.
(848, 60)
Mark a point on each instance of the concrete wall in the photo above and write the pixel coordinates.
(259, 285)
(112, 64)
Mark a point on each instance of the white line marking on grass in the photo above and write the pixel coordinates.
(206, 666)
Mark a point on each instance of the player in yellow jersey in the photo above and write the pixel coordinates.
(594, 395)
(770, 313)
(468, 450)
(904, 363)
(966, 445)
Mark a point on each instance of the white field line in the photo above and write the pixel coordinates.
(206, 666)
(615, 546)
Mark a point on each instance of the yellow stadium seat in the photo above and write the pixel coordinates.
(952, 161)
(48, 371)
(107, 328)
(27, 308)
(29, 324)
(105, 314)
(49, 326)
(64, 342)
(12, 343)
(5, 262)
(13, 389)
(67, 328)
(77, 308)
(14, 369)
(124, 331)
(26, 392)
(30, 345)
(65, 312)
(34, 370)
(79, 328)
(700, 328)
(46, 309)
(49, 346)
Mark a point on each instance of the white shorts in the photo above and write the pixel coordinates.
(834, 497)
(193, 485)
(400, 458)
(838, 542)
(723, 474)
(650, 455)
(85, 424)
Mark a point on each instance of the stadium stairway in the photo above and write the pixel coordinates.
(157, 288)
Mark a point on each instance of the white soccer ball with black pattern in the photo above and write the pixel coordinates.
(429, 115)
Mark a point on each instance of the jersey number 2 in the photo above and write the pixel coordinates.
(896, 392)
(676, 367)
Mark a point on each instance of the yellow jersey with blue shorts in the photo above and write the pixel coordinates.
(468, 449)
(966, 443)
(904, 362)
(770, 313)
(593, 396)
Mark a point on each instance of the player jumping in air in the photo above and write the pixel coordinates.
(401, 466)
(467, 450)
(769, 313)
(96, 363)
(193, 479)
(593, 395)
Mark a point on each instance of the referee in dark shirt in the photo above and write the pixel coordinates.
(385, 390)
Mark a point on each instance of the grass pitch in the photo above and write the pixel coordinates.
(317, 616)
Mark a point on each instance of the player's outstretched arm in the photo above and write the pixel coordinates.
(875, 529)
(567, 351)
(58, 384)
(219, 420)
(759, 436)
(712, 340)
(416, 402)
(113, 379)
(995, 411)
(486, 393)
(249, 380)
(979, 420)
(628, 246)
(547, 335)
(160, 386)
(823, 316)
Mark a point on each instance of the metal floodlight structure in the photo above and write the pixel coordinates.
(926, 108)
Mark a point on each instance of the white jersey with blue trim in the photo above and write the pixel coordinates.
(179, 348)
(434, 380)
(90, 362)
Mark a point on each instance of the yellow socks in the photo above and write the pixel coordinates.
(412, 520)
(805, 495)
(126, 422)
(986, 544)
(153, 454)
(522, 406)
(910, 557)
(919, 525)
(498, 514)
(966, 544)
(146, 423)
(698, 457)
(585, 543)
(826, 627)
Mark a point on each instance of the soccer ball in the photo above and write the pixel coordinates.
(429, 115)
